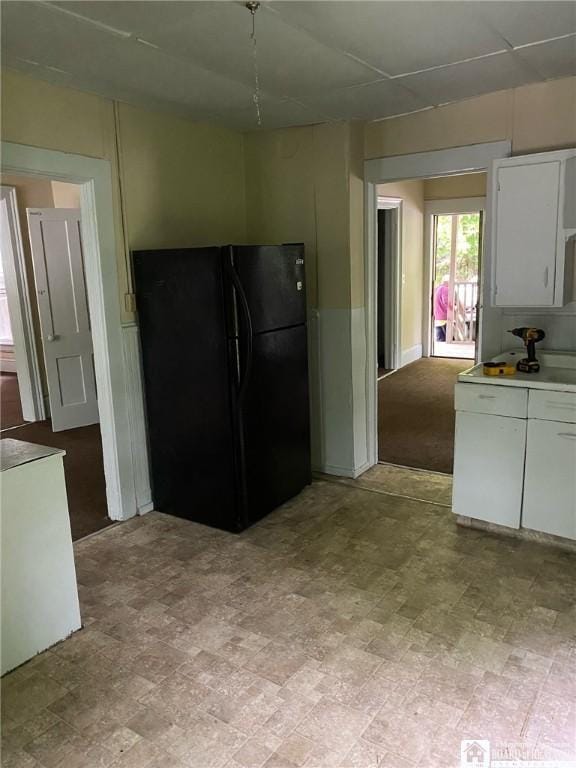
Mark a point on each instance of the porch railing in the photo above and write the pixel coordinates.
(462, 325)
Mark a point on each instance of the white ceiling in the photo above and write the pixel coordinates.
(318, 60)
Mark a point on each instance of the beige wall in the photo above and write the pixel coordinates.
(305, 184)
(297, 189)
(183, 182)
(534, 118)
(412, 195)
(455, 187)
(65, 195)
(280, 193)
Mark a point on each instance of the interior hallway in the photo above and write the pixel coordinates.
(350, 628)
(83, 469)
(416, 414)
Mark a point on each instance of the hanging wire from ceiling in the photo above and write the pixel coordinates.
(253, 7)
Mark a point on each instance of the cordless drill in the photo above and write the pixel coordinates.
(529, 336)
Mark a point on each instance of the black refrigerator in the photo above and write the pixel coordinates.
(224, 354)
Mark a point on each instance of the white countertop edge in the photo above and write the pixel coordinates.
(516, 381)
(16, 453)
(556, 365)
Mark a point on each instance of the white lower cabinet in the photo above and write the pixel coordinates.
(550, 478)
(489, 467)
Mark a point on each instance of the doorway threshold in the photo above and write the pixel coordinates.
(414, 469)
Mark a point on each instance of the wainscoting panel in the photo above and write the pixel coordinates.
(136, 418)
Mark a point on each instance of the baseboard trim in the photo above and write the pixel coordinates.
(415, 469)
(363, 468)
(411, 355)
(145, 508)
(334, 469)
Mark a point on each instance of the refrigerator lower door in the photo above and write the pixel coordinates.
(275, 416)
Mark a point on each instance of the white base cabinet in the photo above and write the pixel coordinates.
(39, 596)
(489, 467)
(550, 478)
(515, 457)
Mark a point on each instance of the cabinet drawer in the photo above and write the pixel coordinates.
(491, 399)
(552, 406)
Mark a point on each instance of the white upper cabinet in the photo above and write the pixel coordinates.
(534, 229)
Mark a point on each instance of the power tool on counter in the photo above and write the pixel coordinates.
(529, 336)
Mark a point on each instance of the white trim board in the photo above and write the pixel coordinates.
(137, 417)
(392, 282)
(410, 355)
(20, 308)
(421, 165)
(456, 205)
(442, 162)
(98, 236)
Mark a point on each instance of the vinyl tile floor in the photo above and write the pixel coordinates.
(353, 628)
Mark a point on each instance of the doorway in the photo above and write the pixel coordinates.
(426, 374)
(116, 362)
(10, 401)
(453, 244)
(43, 245)
(389, 289)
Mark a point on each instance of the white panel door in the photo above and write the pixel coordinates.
(56, 245)
(526, 234)
(489, 468)
(550, 485)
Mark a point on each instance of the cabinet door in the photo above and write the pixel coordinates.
(489, 468)
(550, 483)
(526, 234)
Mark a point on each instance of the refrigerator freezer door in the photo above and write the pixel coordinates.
(275, 415)
(272, 278)
(187, 384)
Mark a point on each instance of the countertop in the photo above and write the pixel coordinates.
(14, 453)
(557, 372)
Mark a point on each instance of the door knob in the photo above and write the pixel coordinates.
(51, 337)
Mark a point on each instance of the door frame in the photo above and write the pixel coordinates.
(438, 208)
(20, 308)
(393, 286)
(421, 165)
(99, 248)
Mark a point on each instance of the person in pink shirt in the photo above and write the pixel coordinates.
(441, 311)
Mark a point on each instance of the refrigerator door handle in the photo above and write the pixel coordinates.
(243, 301)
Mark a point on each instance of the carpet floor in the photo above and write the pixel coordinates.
(10, 405)
(416, 414)
(83, 468)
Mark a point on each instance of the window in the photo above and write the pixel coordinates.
(5, 327)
